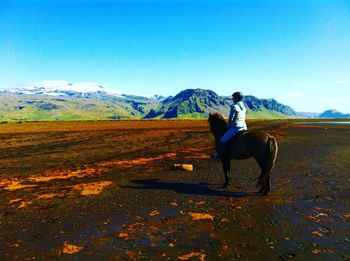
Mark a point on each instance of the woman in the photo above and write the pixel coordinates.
(236, 122)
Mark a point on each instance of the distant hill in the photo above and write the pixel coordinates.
(190, 103)
(267, 108)
(198, 103)
(41, 104)
(304, 114)
(333, 114)
(91, 107)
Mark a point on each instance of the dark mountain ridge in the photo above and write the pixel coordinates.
(198, 103)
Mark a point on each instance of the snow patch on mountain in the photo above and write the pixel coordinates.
(61, 88)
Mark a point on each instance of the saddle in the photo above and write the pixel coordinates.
(237, 135)
(240, 133)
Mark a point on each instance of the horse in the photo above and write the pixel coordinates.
(258, 144)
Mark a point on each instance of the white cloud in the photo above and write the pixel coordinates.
(335, 100)
(340, 104)
(341, 82)
(294, 94)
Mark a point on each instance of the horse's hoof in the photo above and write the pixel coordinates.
(262, 192)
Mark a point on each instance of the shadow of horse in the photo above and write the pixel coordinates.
(201, 189)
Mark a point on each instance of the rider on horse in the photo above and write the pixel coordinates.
(246, 144)
(236, 122)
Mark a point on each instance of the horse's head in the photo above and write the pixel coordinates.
(217, 124)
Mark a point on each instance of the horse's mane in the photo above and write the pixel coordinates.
(217, 116)
(217, 123)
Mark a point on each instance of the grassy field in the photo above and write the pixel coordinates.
(108, 191)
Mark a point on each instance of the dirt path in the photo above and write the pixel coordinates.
(109, 193)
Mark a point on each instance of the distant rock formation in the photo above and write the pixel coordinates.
(333, 114)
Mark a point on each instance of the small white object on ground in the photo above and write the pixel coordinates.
(188, 167)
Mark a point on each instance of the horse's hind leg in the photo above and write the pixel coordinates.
(267, 165)
(264, 177)
(266, 187)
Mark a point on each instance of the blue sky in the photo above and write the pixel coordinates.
(297, 52)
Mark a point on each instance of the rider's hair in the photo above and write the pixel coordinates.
(238, 96)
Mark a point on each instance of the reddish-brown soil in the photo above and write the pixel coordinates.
(107, 191)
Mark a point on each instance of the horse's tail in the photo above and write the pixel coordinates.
(271, 154)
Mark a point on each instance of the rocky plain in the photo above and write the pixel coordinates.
(108, 191)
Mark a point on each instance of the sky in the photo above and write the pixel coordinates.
(297, 52)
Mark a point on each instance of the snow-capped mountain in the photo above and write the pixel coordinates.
(61, 100)
(64, 88)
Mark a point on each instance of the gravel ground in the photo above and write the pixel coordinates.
(108, 191)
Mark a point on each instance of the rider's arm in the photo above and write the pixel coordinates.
(231, 117)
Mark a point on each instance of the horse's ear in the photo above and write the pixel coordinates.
(210, 116)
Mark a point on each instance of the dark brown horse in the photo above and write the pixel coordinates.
(258, 144)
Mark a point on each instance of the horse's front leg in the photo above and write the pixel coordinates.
(226, 168)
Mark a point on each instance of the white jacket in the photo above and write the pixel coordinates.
(237, 116)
